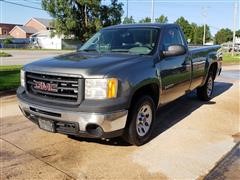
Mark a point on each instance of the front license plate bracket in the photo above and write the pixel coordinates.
(46, 125)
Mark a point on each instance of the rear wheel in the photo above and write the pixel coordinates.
(205, 92)
(141, 119)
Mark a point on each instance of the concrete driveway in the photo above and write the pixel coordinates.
(189, 140)
(21, 57)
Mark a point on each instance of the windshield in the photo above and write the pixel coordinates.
(124, 40)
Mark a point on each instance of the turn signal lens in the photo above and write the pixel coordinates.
(112, 88)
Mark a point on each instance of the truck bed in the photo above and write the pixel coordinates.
(201, 48)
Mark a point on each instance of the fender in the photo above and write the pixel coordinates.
(144, 83)
(212, 57)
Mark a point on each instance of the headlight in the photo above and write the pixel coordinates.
(22, 78)
(101, 88)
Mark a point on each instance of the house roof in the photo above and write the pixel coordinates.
(46, 22)
(41, 33)
(28, 30)
(8, 24)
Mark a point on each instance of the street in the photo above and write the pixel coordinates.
(189, 140)
(21, 57)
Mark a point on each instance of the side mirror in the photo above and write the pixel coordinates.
(174, 50)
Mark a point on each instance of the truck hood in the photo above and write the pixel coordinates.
(81, 63)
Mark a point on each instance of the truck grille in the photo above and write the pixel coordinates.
(62, 89)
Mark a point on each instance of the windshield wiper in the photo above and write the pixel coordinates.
(89, 50)
(125, 51)
(119, 50)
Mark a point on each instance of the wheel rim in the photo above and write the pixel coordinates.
(209, 86)
(144, 120)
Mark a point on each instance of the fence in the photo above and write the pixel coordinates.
(14, 46)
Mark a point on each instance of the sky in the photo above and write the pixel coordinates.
(218, 13)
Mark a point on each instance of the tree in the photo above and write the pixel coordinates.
(162, 19)
(111, 14)
(193, 33)
(238, 33)
(223, 35)
(128, 20)
(8, 40)
(198, 34)
(82, 18)
(186, 27)
(145, 20)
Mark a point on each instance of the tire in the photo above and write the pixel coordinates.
(141, 119)
(204, 93)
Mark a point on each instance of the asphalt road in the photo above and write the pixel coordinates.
(21, 57)
(228, 168)
(190, 139)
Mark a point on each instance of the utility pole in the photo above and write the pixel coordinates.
(152, 20)
(204, 34)
(204, 14)
(127, 8)
(234, 25)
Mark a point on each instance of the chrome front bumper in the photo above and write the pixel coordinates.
(108, 122)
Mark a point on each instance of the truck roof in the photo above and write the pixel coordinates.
(155, 25)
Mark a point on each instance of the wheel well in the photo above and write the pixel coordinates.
(213, 68)
(151, 89)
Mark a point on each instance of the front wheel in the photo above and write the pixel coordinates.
(205, 92)
(140, 121)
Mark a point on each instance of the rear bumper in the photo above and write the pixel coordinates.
(84, 124)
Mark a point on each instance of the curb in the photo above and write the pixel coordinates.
(8, 92)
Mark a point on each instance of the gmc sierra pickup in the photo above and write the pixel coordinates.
(114, 83)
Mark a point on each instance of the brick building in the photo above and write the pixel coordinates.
(33, 26)
(5, 28)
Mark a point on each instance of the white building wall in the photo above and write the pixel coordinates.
(45, 41)
(237, 40)
(49, 43)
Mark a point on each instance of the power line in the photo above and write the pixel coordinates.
(34, 2)
(17, 4)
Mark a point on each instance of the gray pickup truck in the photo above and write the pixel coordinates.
(113, 85)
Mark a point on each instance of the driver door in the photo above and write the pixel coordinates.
(175, 71)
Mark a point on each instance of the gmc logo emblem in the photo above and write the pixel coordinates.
(50, 87)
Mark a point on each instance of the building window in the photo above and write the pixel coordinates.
(4, 32)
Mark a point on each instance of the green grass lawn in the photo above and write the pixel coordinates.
(9, 77)
(229, 59)
(4, 54)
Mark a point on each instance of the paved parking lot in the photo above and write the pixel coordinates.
(21, 57)
(190, 138)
